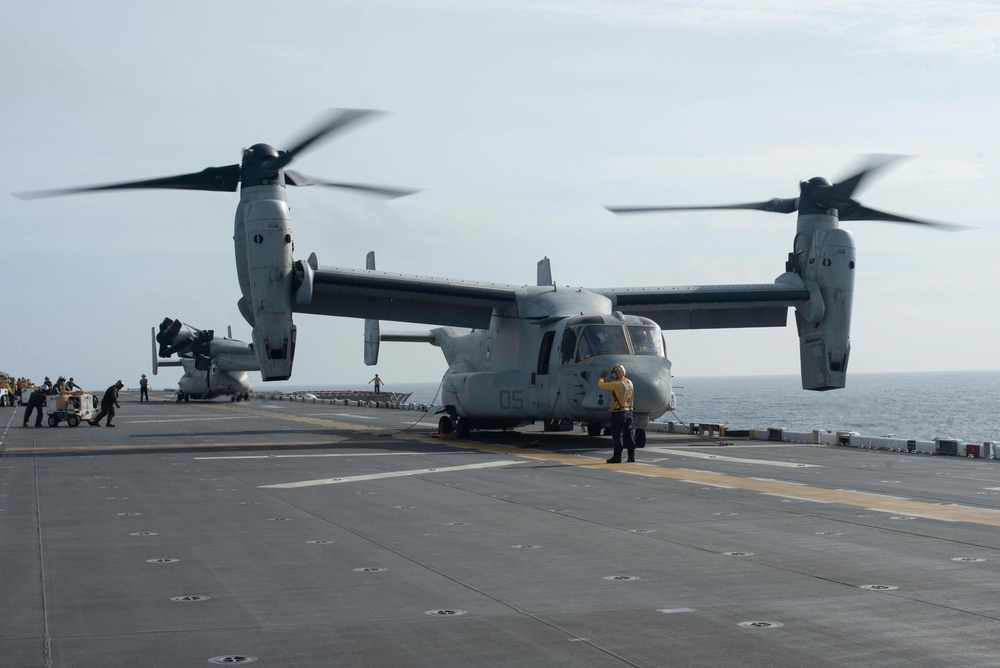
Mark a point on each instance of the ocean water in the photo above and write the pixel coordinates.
(924, 405)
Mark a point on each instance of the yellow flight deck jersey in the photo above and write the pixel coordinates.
(622, 394)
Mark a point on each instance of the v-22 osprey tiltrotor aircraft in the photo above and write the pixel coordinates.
(212, 367)
(519, 354)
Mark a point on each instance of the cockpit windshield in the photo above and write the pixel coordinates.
(591, 340)
(602, 340)
(646, 340)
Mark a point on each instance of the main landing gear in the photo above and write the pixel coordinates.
(445, 425)
(461, 426)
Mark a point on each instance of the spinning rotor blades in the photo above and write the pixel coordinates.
(296, 179)
(225, 179)
(817, 195)
(228, 178)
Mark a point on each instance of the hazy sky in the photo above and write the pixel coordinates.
(520, 120)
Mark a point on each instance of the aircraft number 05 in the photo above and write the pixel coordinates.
(511, 399)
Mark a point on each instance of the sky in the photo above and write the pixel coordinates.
(519, 121)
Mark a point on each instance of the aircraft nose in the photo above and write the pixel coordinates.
(652, 388)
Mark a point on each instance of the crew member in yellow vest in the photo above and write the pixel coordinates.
(622, 402)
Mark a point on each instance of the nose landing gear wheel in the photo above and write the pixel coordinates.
(640, 438)
(593, 429)
(462, 428)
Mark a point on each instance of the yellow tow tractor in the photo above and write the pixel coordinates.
(72, 408)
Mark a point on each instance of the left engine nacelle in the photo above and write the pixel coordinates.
(268, 273)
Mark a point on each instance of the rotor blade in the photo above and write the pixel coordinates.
(169, 329)
(297, 179)
(774, 206)
(865, 213)
(342, 118)
(182, 346)
(212, 178)
(845, 187)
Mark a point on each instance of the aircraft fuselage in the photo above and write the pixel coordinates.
(526, 368)
(197, 384)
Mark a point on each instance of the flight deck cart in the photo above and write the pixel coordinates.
(72, 408)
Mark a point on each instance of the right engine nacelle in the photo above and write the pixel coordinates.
(825, 326)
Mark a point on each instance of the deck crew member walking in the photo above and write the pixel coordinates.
(377, 381)
(622, 398)
(108, 405)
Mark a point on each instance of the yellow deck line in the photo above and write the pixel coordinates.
(796, 491)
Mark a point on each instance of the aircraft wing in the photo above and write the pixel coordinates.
(379, 295)
(710, 306)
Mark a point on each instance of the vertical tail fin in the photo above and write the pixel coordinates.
(544, 272)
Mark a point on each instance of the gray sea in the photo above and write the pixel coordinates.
(962, 404)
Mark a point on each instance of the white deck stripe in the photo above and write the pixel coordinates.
(902, 513)
(395, 474)
(338, 454)
(794, 498)
(723, 458)
(199, 419)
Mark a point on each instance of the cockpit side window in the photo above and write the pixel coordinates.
(567, 347)
(602, 340)
(646, 340)
(544, 352)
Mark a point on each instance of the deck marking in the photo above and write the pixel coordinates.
(707, 484)
(983, 516)
(393, 474)
(297, 418)
(795, 498)
(190, 419)
(912, 514)
(723, 458)
(329, 454)
(858, 499)
(132, 447)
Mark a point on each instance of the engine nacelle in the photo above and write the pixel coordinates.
(268, 275)
(825, 326)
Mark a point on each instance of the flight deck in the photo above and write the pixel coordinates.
(308, 534)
